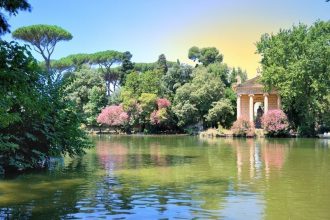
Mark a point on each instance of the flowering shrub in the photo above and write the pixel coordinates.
(158, 117)
(113, 116)
(243, 127)
(275, 123)
(163, 103)
(154, 119)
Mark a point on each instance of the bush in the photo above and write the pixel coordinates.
(275, 123)
(36, 121)
(114, 116)
(242, 127)
(163, 103)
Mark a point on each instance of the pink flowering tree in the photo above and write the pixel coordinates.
(113, 116)
(163, 103)
(159, 116)
(275, 123)
(242, 127)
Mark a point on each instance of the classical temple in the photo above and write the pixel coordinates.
(252, 100)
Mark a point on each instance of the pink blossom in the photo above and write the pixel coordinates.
(154, 119)
(275, 122)
(163, 103)
(113, 116)
(243, 127)
(158, 116)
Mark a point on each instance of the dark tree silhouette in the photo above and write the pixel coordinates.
(11, 7)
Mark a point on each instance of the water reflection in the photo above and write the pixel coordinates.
(179, 177)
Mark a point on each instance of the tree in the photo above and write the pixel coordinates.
(132, 84)
(12, 8)
(105, 60)
(205, 55)
(148, 102)
(235, 73)
(86, 88)
(150, 82)
(71, 63)
(35, 122)
(143, 67)
(126, 67)
(176, 76)
(160, 116)
(44, 39)
(193, 100)
(296, 62)
(113, 116)
(222, 71)
(221, 112)
(162, 64)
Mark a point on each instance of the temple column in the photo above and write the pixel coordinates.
(278, 101)
(265, 103)
(238, 106)
(251, 107)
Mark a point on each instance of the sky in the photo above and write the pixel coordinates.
(148, 28)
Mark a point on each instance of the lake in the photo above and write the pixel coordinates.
(178, 177)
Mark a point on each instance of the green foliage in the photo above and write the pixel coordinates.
(162, 64)
(12, 8)
(147, 102)
(175, 77)
(235, 73)
(186, 112)
(147, 82)
(132, 84)
(72, 62)
(19, 76)
(126, 67)
(35, 121)
(42, 35)
(105, 60)
(296, 62)
(150, 82)
(222, 111)
(193, 100)
(44, 38)
(205, 55)
(143, 67)
(86, 88)
(222, 71)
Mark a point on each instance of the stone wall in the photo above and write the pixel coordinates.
(272, 102)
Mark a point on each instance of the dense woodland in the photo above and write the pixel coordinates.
(47, 106)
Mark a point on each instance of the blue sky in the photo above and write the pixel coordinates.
(148, 28)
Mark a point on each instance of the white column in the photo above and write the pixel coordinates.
(265, 103)
(238, 106)
(278, 101)
(251, 107)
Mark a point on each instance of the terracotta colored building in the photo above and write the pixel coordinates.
(251, 95)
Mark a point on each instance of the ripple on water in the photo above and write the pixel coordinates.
(178, 178)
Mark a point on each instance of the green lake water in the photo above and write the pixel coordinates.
(178, 177)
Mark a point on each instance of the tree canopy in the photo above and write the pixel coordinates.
(43, 37)
(296, 62)
(36, 119)
(193, 100)
(205, 55)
